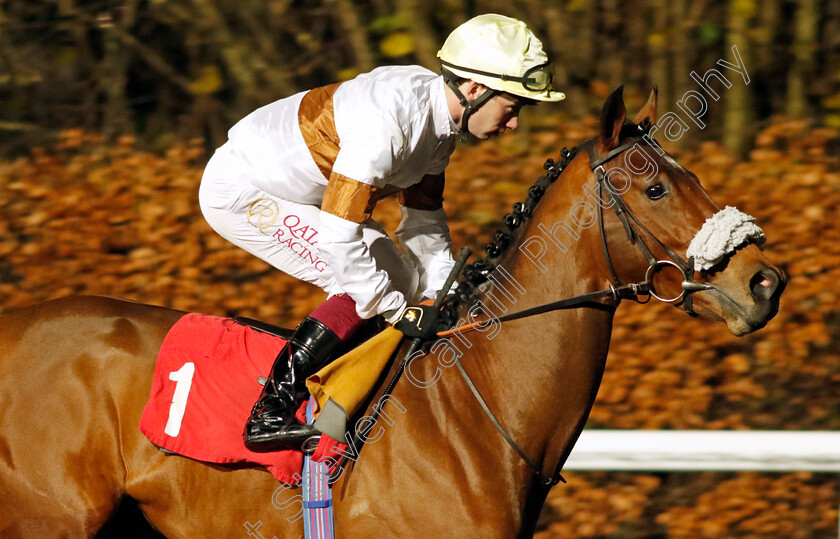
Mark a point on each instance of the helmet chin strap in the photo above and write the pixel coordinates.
(469, 106)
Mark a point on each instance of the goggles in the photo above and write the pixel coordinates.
(536, 79)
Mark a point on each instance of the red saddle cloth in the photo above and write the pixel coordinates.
(204, 386)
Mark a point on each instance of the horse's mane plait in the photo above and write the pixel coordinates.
(478, 272)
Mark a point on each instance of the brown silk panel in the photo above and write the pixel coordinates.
(317, 123)
(344, 197)
(427, 194)
(348, 199)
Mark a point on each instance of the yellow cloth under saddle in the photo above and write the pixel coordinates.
(349, 379)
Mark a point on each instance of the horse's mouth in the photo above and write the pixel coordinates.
(742, 320)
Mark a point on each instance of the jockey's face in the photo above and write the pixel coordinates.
(497, 115)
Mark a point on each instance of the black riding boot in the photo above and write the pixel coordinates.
(272, 425)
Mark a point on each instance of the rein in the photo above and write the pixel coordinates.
(629, 291)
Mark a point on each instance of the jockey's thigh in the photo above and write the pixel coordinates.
(285, 233)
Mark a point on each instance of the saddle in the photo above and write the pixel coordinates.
(207, 377)
(277, 331)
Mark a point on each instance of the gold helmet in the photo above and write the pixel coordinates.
(501, 53)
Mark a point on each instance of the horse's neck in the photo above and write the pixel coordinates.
(540, 375)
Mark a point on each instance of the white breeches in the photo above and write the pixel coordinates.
(284, 233)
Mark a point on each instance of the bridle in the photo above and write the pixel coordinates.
(616, 291)
(628, 218)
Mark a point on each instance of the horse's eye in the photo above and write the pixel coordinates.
(655, 191)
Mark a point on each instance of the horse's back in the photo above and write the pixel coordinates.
(74, 374)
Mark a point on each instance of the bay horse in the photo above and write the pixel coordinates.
(75, 375)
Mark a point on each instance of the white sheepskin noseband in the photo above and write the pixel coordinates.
(722, 234)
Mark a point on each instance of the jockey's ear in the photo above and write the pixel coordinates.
(612, 118)
(472, 90)
(648, 112)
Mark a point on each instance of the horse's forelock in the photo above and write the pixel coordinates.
(628, 129)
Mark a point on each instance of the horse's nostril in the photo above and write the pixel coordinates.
(763, 284)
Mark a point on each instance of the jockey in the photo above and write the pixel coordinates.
(297, 180)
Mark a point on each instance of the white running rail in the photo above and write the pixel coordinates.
(700, 450)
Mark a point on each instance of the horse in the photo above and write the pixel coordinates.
(75, 374)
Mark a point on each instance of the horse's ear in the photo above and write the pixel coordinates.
(648, 112)
(612, 118)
